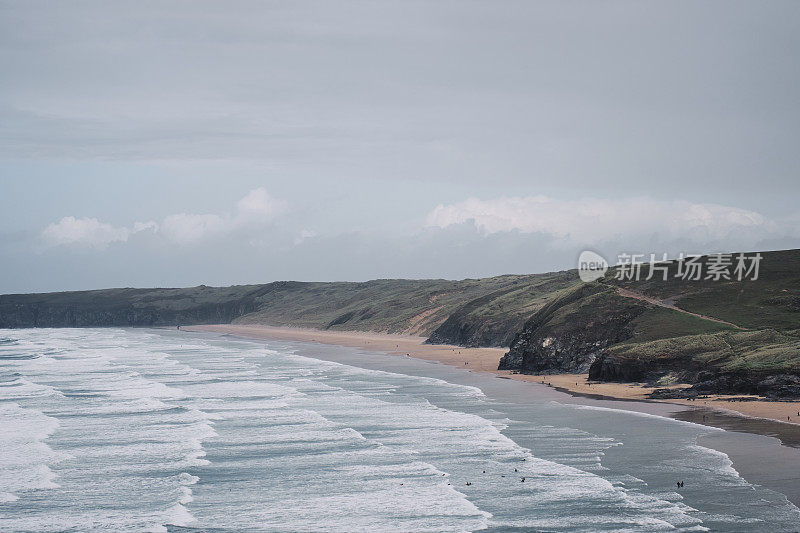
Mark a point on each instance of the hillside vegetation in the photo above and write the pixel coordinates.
(719, 336)
(477, 312)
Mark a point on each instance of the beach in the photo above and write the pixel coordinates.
(154, 429)
(763, 446)
(486, 360)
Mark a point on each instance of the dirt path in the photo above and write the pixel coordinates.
(627, 293)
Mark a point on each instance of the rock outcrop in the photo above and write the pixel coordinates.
(568, 334)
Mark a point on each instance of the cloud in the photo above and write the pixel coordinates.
(253, 211)
(144, 226)
(258, 205)
(190, 228)
(305, 234)
(87, 232)
(591, 220)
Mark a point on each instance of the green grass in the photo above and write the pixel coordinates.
(496, 307)
(660, 323)
(771, 301)
(763, 351)
(649, 339)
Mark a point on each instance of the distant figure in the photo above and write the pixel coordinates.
(523, 479)
(484, 471)
(468, 483)
(515, 470)
(678, 484)
(179, 327)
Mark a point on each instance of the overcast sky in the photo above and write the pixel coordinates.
(180, 143)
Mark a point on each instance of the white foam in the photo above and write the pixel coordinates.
(227, 435)
(638, 414)
(178, 515)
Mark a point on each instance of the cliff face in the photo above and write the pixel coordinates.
(734, 361)
(125, 307)
(714, 336)
(571, 332)
(471, 312)
(495, 318)
(469, 326)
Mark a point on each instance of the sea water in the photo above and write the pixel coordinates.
(154, 430)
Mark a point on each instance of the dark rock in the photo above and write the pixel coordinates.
(665, 394)
(780, 386)
(569, 334)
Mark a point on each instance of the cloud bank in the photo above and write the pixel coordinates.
(83, 231)
(253, 212)
(626, 220)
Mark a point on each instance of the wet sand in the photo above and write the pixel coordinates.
(764, 450)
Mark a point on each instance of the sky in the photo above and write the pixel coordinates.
(178, 143)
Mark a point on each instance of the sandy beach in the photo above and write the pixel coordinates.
(486, 359)
(769, 462)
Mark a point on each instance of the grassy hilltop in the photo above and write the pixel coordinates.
(475, 312)
(723, 336)
(720, 336)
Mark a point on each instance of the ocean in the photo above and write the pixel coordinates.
(161, 430)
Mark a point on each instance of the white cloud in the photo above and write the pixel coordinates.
(305, 234)
(84, 231)
(144, 226)
(190, 228)
(596, 220)
(252, 212)
(258, 205)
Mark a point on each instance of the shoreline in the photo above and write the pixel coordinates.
(759, 417)
(763, 451)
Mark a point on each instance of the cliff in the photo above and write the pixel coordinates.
(568, 334)
(478, 312)
(715, 336)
